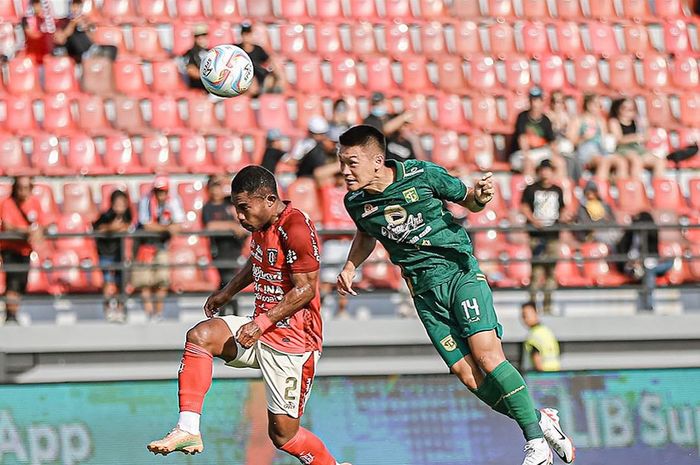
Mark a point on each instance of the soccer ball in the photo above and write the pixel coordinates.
(226, 71)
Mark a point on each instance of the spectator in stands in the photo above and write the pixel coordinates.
(630, 141)
(218, 215)
(341, 116)
(273, 150)
(74, 36)
(194, 56)
(643, 262)
(559, 116)
(589, 133)
(159, 212)
(40, 25)
(116, 219)
(534, 138)
(404, 144)
(20, 213)
(541, 348)
(380, 118)
(315, 155)
(594, 211)
(266, 77)
(543, 206)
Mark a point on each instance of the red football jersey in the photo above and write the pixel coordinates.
(288, 246)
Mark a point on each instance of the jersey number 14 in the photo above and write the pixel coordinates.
(471, 309)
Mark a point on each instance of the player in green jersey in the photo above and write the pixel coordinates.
(401, 205)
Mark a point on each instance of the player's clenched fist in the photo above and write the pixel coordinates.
(344, 281)
(215, 302)
(484, 190)
(248, 334)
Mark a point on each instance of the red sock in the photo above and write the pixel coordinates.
(308, 448)
(194, 377)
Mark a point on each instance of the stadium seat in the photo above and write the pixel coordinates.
(418, 104)
(501, 39)
(328, 43)
(343, 74)
(363, 10)
(378, 74)
(220, 33)
(273, 113)
(362, 39)
(535, 10)
(156, 155)
(432, 39)
(46, 156)
(397, 9)
(201, 115)
(38, 280)
(569, 10)
(632, 197)
(517, 74)
(328, 9)
(155, 11)
(304, 195)
(518, 267)
(601, 37)
(238, 113)
(292, 39)
(378, 272)
(147, 43)
(59, 75)
(77, 198)
(193, 195)
(167, 79)
(515, 104)
(480, 152)
(258, 9)
(534, 37)
(567, 271)
(466, 9)
(587, 77)
(596, 267)
(690, 109)
(676, 37)
(57, 114)
(552, 73)
(601, 9)
(22, 76)
(292, 9)
(91, 115)
(188, 275)
(106, 190)
(518, 183)
(482, 73)
(128, 77)
(229, 154)
(8, 13)
(182, 38)
(82, 156)
(110, 35)
(450, 113)
(117, 11)
(677, 274)
(636, 10)
(44, 194)
(446, 150)
(69, 277)
(12, 158)
(490, 239)
(657, 141)
(622, 76)
(451, 74)
(669, 8)
(500, 8)
(8, 41)
(658, 111)
(194, 155)
(225, 10)
(334, 214)
(165, 115)
(484, 115)
(307, 106)
(467, 42)
(684, 72)
(98, 77)
(655, 72)
(694, 263)
(568, 39)
(636, 39)
(431, 9)
(189, 10)
(19, 116)
(397, 39)
(308, 74)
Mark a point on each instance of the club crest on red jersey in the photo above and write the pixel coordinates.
(272, 256)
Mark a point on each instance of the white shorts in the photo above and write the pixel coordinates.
(288, 377)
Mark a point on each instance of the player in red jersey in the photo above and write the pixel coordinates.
(283, 339)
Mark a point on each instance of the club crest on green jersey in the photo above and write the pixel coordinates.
(395, 215)
(449, 343)
(411, 195)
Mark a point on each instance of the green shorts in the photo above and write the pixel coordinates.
(456, 310)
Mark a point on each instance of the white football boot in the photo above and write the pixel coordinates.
(537, 452)
(555, 436)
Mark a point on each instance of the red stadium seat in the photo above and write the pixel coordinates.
(110, 35)
(155, 11)
(334, 214)
(12, 159)
(258, 9)
(344, 75)
(192, 278)
(636, 10)
(490, 239)
(517, 75)
(189, 10)
(658, 111)
(484, 114)
(432, 9)
(183, 38)
(632, 197)
(677, 274)
(500, 8)
(362, 39)
(46, 156)
(57, 114)
(397, 9)
(596, 268)
(397, 39)
(451, 113)
(535, 10)
(446, 151)
(601, 9)
(417, 103)
(147, 43)
(567, 272)
(91, 115)
(480, 151)
(655, 72)
(69, 277)
(201, 115)
(292, 39)
(128, 77)
(44, 194)
(415, 74)
(363, 9)
(106, 190)
(156, 155)
(379, 77)
(669, 8)
(467, 42)
(587, 77)
(451, 74)
(229, 154)
(307, 106)
(304, 196)
(193, 195)
(602, 39)
(59, 75)
(684, 72)
(329, 9)
(118, 11)
(552, 73)
(8, 41)
(636, 39)
(676, 37)
(378, 272)
(432, 40)
(82, 156)
(694, 263)
(466, 9)
(238, 113)
(501, 39)
(22, 76)
(518, 183)
(167, 78)
(7, 12)
(328, 42)
(273, 113)
(225, 10)
(165, 116)
(534, 36)
(482, 73)
(98, 77)
(622, 77)
(220, 33)
(515, 104)
(657, 141)
(569, 10)
(77, 198)
(38, 280)
(690, 109)
(293, 9)
(308, 74)
(19, 116)
(194, 155)
(569, 39)
(120, 157)
(518, 267)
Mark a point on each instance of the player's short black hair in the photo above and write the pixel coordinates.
(529, 303)
(363, 135)
(254, 179)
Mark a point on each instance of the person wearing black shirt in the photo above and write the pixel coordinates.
(117, 219)
(194, 56)
(265, 74)
(218, 215)
(315, 154)
(273, 150)
(75, 36)
(380, 118)
(543, 206)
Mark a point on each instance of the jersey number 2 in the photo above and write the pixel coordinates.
(291, 383)
(471, 309)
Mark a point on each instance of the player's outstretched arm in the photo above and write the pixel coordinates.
(224, 295)
(362, 246)
(480, 195)
(303, 292)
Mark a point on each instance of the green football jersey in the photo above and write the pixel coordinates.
(410, 220)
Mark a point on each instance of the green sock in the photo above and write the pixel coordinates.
(489, 394)
(516, 398)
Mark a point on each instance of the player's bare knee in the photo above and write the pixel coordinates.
(280, 435)
(201, 334)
